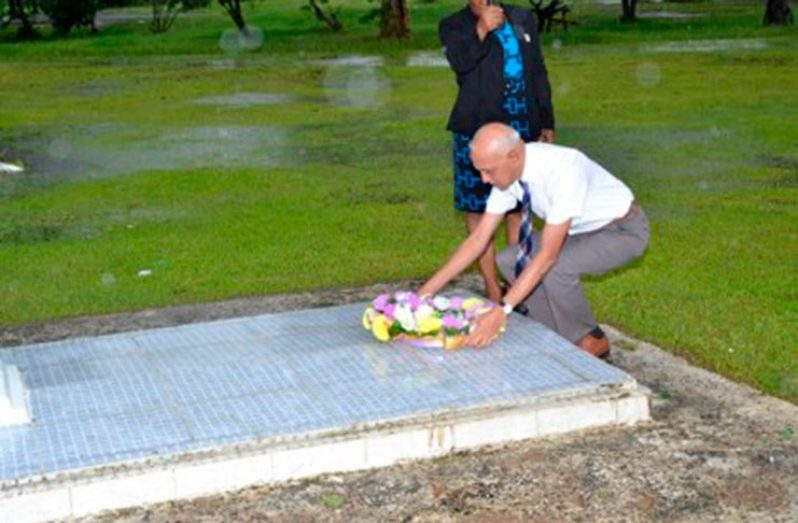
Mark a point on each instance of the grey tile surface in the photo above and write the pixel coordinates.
(127, 396)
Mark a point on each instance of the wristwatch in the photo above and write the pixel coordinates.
(507, 308)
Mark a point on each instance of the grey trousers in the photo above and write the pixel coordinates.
(559, 301)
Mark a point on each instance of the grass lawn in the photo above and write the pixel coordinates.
(228, 175)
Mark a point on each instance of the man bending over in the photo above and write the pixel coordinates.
(592, 225)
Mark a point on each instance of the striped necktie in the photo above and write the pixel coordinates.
(525, 235)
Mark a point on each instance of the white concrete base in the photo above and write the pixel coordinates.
(305, 455)
(13, 398)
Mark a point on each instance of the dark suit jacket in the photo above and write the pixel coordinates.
(480, 72)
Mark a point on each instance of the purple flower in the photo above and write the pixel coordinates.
(456, 303)
(451, 322)
(381, 301)
(389, 310)
(414, 300)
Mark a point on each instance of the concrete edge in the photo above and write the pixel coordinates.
(256, 446)
(214, 471)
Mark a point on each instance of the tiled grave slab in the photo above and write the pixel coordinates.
(144, 416)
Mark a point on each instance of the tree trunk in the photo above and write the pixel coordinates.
(777, 12)
(16, 11)
(164, 14)
(394, 19)
(328, 17)
(629, 7)
(233, 8)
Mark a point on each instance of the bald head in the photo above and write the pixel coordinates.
(497, 151)
(495, 138)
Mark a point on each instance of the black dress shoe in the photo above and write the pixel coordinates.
(521, 308)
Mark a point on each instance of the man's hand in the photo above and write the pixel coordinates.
(547, 136)
(489, 326)
(490, 18)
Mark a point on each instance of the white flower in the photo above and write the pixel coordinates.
(441, 303)
(404, 316)
(424, 311)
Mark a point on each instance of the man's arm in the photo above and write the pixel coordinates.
(552, 239)
(468, 251)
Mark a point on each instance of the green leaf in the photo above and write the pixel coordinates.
(333, 500)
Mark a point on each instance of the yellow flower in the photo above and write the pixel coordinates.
(429, 324)
(471, 302)
(380, 327)
(368, 318)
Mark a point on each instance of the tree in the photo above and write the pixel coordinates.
(233, 8)
(66, 14)
(394, 19)
(629, 7)
(777, 12)
(324, 13)
(553, 12)
(19, 10)
(164, 13)
(195, 4)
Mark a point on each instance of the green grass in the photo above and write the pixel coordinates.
(707, 140)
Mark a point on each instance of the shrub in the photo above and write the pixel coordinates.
(195, 4)
(66, 14)
(124, 3)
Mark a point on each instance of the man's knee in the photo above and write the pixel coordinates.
(560, 275)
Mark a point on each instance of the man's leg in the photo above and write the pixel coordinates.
(536, 303)
(486, 262)
(593, 253)
(559, 301)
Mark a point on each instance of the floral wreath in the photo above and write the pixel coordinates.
(423, 321)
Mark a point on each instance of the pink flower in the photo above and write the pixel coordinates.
(456, 303)
(389, 310)
(381, 301)
(451, 322)
(414, 300)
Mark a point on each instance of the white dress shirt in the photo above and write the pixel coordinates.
(564, 183)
